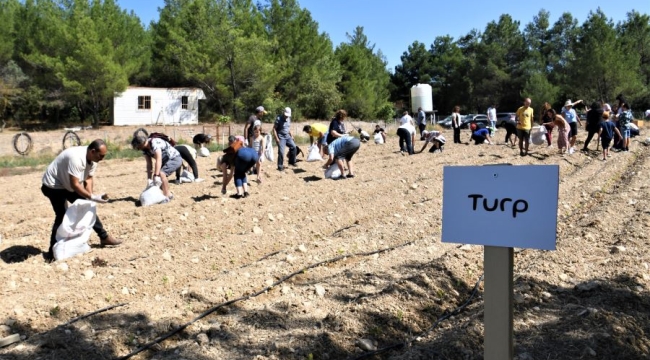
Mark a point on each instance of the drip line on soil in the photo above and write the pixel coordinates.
(258, 293)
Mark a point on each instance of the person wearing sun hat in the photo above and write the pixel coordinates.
(573, 119)
(250, 123)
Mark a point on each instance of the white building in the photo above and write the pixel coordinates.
(157, 106)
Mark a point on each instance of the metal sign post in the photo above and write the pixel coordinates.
(497, 318)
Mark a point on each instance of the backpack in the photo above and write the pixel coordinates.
(157, 135)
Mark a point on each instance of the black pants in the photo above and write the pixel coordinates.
(405, 143)
(422, 127)
(590, 135)
(511, 129)
(189, 159)
(58, 198)
(478, 139)
(457, 135)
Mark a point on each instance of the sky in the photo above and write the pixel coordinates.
(393, 25)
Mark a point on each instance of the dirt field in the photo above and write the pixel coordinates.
(386, 281)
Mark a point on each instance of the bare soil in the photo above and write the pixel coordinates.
(587, 299)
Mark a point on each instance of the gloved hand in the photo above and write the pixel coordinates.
(157, 181)
(98, 198)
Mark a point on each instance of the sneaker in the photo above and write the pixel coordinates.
(110, 241)
(246, 194)
(280, 168)
(350, 176)
(402, 152)
(237, 196)
(198, 180)
(177, 181)
(571, 151)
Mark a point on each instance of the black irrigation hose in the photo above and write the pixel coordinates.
(260, 292)
(409, 340)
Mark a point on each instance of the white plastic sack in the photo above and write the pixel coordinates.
(187, 177)
(152, 196)
(268, 148)
(73, 233)
(537, 137)
(332, 172)
(313, 154)
(379, 139)
(205, 152)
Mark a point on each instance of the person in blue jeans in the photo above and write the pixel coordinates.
(245, 159)
(283, 137)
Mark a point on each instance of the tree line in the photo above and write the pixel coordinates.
(64, 60)
(547, 62)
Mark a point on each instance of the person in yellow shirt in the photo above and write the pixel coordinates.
(319, 132)
(524, 124)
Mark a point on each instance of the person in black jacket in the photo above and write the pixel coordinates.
(594, 117)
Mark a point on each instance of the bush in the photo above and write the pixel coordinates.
(386, 112)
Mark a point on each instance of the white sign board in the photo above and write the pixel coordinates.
(500, 205)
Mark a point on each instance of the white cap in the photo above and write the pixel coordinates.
(568, 103)
(287, 112)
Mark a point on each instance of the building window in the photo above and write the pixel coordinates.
(144, 102)
(184, 102)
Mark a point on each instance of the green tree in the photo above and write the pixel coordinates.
(8, 11)
(537, 65)
(304, 59)
(449, 85)
(364, 83)
(416, 68)
(634, 34)
(601, 68)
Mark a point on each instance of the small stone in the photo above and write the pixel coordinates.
(397, 215)
(519, 299)
(62, 267)
(546, 295)
(564, 277)
(617, 249)
(167, 256)
(125, 291)
(290, 259)
(256, 220)
(195, 260)
(466, 247)
(5, 328)
(320, 290)
(279, 216)
(366, 344)
(202, 339)
(10, 322)
(11, 285)
(88, 274)
(587, 286)
(591, 351)
(271, 217)
(302, 248)
(414, 186)
(18, 311)
(258, 230)
(285, 290)
(9, 340)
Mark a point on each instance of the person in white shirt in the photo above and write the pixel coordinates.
(406, 133)
(492, 117)
(573, 119)
(406, 119)
(162, 161)
(69, 178)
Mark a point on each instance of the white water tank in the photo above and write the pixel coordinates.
(421, 96)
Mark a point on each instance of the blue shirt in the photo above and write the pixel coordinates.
(570, 115)
(335, 146)
(482, 132)
(282, 126)
(608, 129)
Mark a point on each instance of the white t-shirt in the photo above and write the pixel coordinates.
(71, 161)
(406, 119)
(408, 127)
(492, 114)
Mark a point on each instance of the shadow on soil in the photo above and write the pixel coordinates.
(606, 317)
(19, 253)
